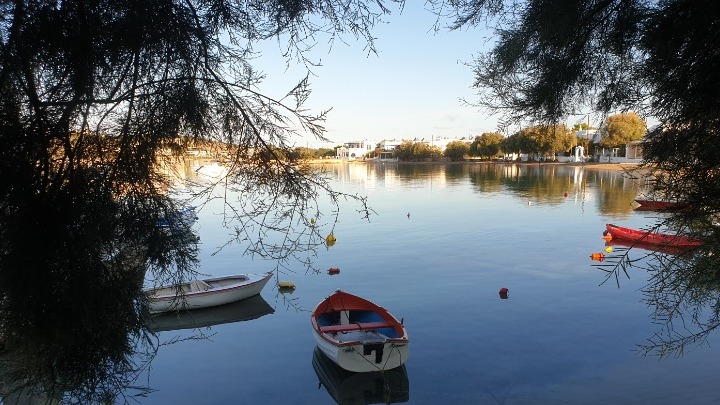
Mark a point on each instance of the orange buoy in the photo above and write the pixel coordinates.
(607, 237)
(598, 256)
(333, 270)
(504, 293)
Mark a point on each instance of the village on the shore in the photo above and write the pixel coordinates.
(618, 140)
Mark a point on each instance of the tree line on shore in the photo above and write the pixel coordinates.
(544, 141)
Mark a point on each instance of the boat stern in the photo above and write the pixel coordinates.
(369, 356)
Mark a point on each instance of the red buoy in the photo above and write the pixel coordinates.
(333, 270)
(504, 293)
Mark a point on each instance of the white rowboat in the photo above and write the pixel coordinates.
(206, 293)
(359, 335)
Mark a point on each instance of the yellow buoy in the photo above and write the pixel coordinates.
(330, 240)
(312, 220)
(286, 284)
(608, 249)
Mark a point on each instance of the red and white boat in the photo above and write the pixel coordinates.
(359, 335)
(652, 238)
(206, 293)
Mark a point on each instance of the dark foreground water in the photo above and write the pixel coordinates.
(445, 239)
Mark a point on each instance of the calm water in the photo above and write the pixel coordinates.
(561, 337)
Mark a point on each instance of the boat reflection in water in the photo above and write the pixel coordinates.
(244, 310)
(653, 247)
(346, 387)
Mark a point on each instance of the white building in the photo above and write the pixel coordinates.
(354, 150)
(390, 145)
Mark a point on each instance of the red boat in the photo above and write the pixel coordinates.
(652, 238)
(650, 204)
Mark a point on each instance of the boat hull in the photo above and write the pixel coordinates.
(658, 205)
(365, 356)
(224, 290)
(358, 335)
(652, 238)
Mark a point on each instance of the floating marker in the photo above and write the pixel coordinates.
(330, 240)
(608, 249)
(504, 293)
(286, 285)
(598, 256)
(333, 270)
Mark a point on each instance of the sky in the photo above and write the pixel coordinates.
(412, 89)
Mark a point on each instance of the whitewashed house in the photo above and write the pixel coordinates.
(354, 150)
(389, 146)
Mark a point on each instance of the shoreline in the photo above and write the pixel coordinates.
(589, 165)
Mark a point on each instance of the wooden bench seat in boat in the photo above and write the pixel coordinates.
(355, 326)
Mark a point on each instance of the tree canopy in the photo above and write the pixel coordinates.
(456, 150)
(411, 150)
(541, 139)
(658, 58)
(97, 92)
(487, 144)
(619, 129)
(97, 96)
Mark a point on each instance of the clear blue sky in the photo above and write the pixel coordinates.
(411, 89)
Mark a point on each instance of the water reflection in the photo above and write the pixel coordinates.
(684, 294)
(611, 191)
(14, 390)
(683, 288)
(682, 291)
(626, 244)
(348, 388)
(86, 346)
(73, 258)
(244, 310)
